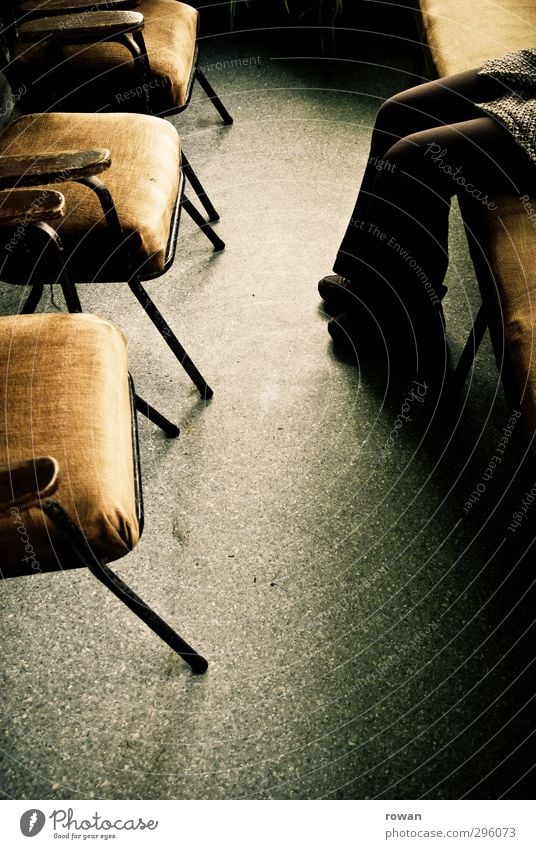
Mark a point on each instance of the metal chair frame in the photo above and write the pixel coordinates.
(486, 318)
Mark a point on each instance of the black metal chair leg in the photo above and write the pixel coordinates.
(48, 248)
(169, 337)
(113, 582)
(197, 186)
(469, 352)
(209, 91)
(104, 574)
(156, 418)
(196, 216)
(31, 302)
(71, 297)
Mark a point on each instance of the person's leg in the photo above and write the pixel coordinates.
(434, 104)
(402, 250)
(447, 100)
(412, 198)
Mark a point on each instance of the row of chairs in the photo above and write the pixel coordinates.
(89, 197)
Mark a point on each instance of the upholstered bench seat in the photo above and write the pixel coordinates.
(64, 392)
(462, 35)
(170, 34)
(141, 146)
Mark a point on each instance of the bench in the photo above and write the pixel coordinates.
(458, 36)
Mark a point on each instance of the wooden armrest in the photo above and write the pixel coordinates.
(82, 27)
(63, 7)
(22, 171)
(26, 483)
(23, 206)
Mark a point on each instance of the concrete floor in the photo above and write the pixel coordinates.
(367, 638)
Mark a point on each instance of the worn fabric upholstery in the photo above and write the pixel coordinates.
(508, 239)
(462, 35)
(144, 179)
(64, 392)
(170, 34)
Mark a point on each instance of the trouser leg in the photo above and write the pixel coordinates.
(435, 104)
(406, 237)
(397, 256)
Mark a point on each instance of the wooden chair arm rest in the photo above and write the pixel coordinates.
(28, 482)
(44, 8)
(24, 206)
(86, 27)
(21, 170)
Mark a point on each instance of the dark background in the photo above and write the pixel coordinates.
(308, 27)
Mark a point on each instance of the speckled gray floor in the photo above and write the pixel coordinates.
(366, 637)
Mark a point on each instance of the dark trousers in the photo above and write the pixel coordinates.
(428, 143)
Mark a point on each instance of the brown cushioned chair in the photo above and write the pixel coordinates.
(70, 482)
(140, 55)
(118, 228)
(166, 38)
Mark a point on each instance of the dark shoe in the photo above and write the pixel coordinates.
(337, 293)
(356, 335)
(353, 336)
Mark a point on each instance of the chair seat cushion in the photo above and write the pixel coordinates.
(170, 35)
(64, 392)
(462, 35)
(144, 181)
